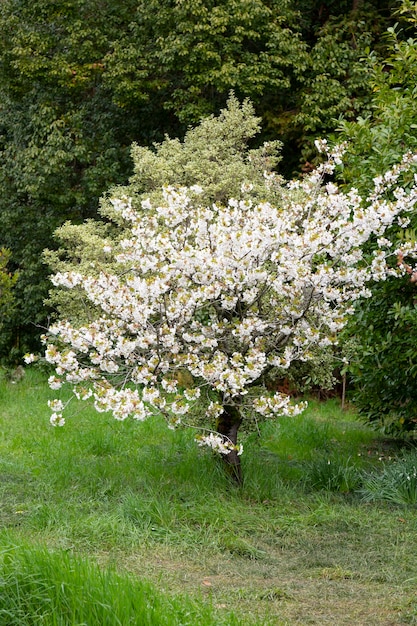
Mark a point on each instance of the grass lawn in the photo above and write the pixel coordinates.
(298, 543)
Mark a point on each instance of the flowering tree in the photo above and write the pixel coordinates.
(226, 292)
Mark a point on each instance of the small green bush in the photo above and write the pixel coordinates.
(384, 369)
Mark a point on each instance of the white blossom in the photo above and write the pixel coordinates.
(57, 419)
(56, 405)
(54, 382)
(30, 358)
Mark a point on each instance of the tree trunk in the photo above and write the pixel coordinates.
(228, 425)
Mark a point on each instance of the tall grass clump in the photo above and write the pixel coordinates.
(57, 589)
(332, 474)
(397, 483)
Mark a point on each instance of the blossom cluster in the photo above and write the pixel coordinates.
(225, 292)
(218, 444)
(277, 404)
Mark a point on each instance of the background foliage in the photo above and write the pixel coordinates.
(384, 367)
(7, 281)
(82, 79)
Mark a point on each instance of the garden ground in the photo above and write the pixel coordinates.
(302, 542)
